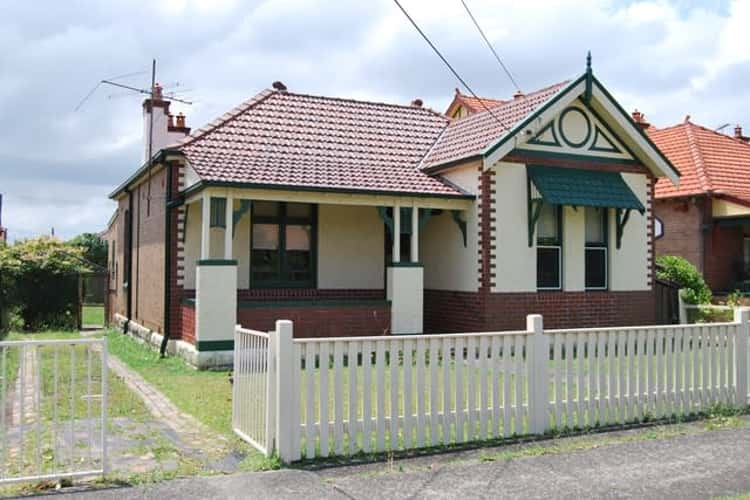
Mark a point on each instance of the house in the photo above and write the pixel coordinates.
(363, 218)
(705, 219)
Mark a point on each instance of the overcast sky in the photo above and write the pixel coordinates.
(57, 166)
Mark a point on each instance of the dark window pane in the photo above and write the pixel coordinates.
(596, 268)
(218, 212)
(548, 268)
(265, 265)
(299, 265)
(266, 208)
(299, 210)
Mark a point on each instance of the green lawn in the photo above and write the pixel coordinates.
(93, 315)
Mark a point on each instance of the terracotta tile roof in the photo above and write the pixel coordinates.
(469, 136)
(288, 139)
(471, 103)
(710, 162)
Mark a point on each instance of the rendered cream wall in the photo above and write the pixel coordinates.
(448, 264)
(240, 245)
(628, 266)
(574, 258)
(723, 208)
(515, 261)
(350, 247)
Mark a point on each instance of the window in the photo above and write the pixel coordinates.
(549, 248)
(218, 212)
(658, 228)
(596, 248)
(283, 244)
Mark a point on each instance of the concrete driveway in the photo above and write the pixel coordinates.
(681, 461)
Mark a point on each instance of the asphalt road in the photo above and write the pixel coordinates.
(697, 465)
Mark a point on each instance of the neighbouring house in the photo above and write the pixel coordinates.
(363, 218)
(705, 219)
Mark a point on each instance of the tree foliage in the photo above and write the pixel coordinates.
(94, 248)
(680, 271)
(39, 282)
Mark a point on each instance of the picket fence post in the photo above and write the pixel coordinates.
(741, 316)
(537, 355)
(286, 427)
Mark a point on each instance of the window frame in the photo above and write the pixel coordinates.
(556, 244)
(282, 221)
(218, 212)
(597, 246)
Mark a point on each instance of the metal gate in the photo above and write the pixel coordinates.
(253, 388)
(53, 409)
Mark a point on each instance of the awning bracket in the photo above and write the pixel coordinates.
(460, 222)
(534, 211)
(621, 216)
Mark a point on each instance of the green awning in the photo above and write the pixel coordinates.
(583, 188)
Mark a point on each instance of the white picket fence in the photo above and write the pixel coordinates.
(337, 396)
(53, 409)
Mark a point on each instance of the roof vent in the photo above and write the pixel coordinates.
(279, 86)
(417, 103)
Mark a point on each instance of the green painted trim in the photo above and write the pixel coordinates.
(532, 116)
(271, 304)
(571, 156)
(606, 126)
(599, 134)
(187, 302)
(199, 186)
(404, 264)
(237, 214)
(638, 129)
(216, 262)
(561, 119)
(214, 345)
(620, 219)
(550, 126)
(732, 221)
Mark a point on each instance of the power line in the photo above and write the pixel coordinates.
(445, 61)
(492, 49)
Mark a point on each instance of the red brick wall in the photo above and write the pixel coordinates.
(682, 229)
(322, 320)
(723, 252)
(452, 312)
(186, 324)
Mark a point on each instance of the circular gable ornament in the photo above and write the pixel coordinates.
(575, 127)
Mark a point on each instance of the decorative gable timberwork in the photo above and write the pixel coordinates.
(577, 131)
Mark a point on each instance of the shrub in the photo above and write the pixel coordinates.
(39, 282)
(678, 270)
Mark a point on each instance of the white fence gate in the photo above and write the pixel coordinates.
(337, 396)
(53, 409)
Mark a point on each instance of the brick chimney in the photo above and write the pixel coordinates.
(165, 131)
(640, 119)
(738, 134)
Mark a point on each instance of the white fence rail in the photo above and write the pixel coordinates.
(339, 396)
(53, 409)
(253, 388)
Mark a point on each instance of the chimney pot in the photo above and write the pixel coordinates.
(738, 132)
(640, 119)
(517, 94)
(279, 86)
(170, 118)
(180, 120)
(156, 92)
(417, 103)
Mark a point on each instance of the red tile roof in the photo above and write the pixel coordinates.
(288, 139)
(469, 136)
(710, 162)
(471, 103)
(280, 138)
